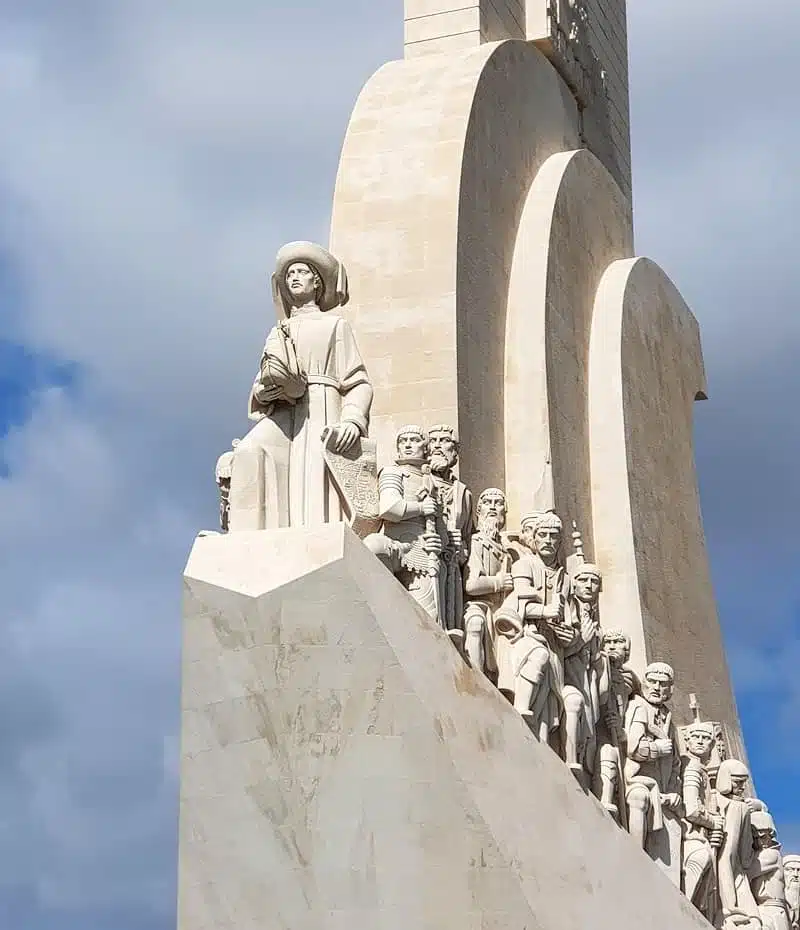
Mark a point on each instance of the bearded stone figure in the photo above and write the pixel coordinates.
(791, 868)
(455, 516)
(487, 581)
(311, 377)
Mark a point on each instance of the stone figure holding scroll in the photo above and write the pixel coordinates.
(487, 581)
(311, 377)
(653, 771)
(412, 537)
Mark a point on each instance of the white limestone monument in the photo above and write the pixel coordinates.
(453, 661)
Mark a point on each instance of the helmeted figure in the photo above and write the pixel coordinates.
(487, 580)
(412, 536)
(766, 873)
(704, 825)
(736, 855)
(311, 377)
(653, 771)
(791, 868)
(538, 626)
(455, 512)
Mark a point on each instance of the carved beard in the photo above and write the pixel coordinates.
(490, 526)
(442, 464)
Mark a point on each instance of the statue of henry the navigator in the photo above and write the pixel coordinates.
(311, 377)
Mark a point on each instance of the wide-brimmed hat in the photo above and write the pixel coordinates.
(330, 269)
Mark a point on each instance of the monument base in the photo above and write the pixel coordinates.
(343, 768)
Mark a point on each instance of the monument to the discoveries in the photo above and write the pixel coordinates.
(442, 666)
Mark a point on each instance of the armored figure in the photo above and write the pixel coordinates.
(455, 512)
(704, 824)
(487, 581)
(653, 771)
(766, 873)
(535, 619)
(411, 539)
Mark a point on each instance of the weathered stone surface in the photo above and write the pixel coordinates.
(343, 768)
(646, 371)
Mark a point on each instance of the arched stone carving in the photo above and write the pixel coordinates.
(437, 163)
(645, 373)
(576, 221)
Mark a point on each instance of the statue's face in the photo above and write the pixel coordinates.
(492, 509)
(301, 283)
(587, 587)
(739, 786)
(547, 541)
(792, 870)
(767, 837)
(443, 451)
(699, 742)
(617, 648)
(657, 688)
(412, 447)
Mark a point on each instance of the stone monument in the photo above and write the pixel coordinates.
(406, 703)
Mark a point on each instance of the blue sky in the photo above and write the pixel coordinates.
(152, 158)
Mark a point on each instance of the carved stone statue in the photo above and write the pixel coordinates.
(704, 824)
(311, 377)
(653, 771)
(487, 580)
(766, 873)
(410, 542)
(739, 908)
(791, 868)
(535, 618)
(455, 512)
(616, 686)
(223, 476)
(583, 669)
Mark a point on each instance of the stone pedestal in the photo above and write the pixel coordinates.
(343, 768)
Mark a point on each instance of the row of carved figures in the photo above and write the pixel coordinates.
(514, 609)
(530, 621)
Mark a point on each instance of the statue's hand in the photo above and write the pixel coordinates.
(347, 435)
(663, 747)
(506, 582)
(716, 838)
(672, 801)
(428, 505)
(432, 543)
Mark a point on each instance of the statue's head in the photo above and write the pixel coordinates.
(491, 511)
(791, 868)
(764, 830)
(444, 449)
(542, 533)
(412, 446)
(616, 644)
(587, 583)
(732, 779)
(658, 683)
(699, 738)
(306, 273)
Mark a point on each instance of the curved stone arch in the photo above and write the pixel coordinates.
(575, 222)
(646, 371)
(438, 159)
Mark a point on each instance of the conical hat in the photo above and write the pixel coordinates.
(330, 270)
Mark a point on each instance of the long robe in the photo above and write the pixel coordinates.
(298, 490)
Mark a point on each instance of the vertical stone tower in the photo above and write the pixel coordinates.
(586, 40)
